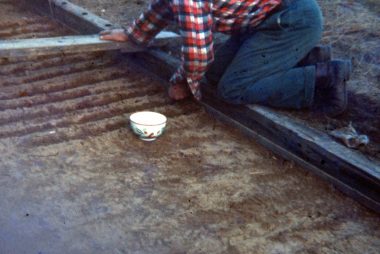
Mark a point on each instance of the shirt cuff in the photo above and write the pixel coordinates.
(135, 38)
(194, 85)
(195, 88)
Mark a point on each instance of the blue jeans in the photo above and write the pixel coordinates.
(260, 66)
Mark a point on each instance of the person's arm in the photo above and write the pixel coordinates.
(195, 25)
(145, 28)
(151, 22)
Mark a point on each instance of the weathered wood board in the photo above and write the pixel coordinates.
(72, 44)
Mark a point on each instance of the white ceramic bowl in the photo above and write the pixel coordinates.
(148, 125)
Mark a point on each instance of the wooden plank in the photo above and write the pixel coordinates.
(66, 44)
(319, 141)
(71, 44)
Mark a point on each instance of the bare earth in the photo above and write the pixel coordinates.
(351, 27)
(74, 178)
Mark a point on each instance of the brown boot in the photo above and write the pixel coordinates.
(330, 85)
(319, 54)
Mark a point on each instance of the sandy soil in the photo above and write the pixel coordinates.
(122, 12)
(350, 27)
(74, 178)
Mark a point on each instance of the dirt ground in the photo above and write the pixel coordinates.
(351, 27)
(19, 23)
(74, 178)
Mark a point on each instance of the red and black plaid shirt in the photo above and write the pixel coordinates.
(197, 20)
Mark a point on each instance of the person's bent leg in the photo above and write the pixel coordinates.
(263, 70)
(290, 89)
(223, 57)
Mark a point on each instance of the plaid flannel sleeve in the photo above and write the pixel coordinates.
(151, 22)
(195, 24)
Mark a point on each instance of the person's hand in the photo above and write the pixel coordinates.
(117, 35)
(179, 91)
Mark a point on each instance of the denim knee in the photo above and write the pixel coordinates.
(228, 93)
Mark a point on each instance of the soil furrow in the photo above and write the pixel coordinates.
(25, 21)
(73, 133)
(62, 95)
(45, 124)
(54, 72)
(23, 114)
(37, 34)
(17, 68)
(30, 28)
(58, 72)
(59, 84)
(40, 58)
(83, 131)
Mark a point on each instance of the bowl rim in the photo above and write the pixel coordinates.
(148, 124)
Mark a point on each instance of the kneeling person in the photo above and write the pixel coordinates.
(268, 59)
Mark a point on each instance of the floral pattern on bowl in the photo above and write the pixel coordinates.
(148, 126)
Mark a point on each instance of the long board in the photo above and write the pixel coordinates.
(72, 44)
